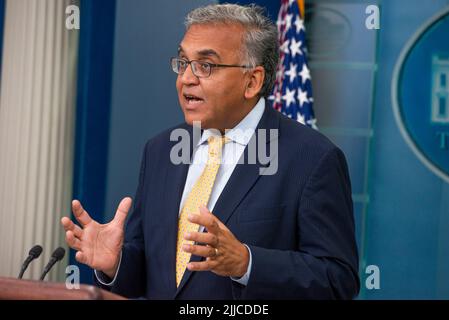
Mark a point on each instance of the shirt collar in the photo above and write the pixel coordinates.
(243, 131)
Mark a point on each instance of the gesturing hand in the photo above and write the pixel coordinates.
(97, 245)
(225, 255)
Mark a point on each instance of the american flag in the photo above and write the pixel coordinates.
(292, 93)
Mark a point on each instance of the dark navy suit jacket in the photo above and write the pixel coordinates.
(298, 223)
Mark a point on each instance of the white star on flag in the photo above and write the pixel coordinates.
(288, 21)
(292, 93)
(299, 24)
(284, 46)
(289, 97)
(295, 47)
(292, 73)
(302, 97)
(300, 118)
(305, 74)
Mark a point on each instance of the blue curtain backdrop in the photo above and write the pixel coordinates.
(93, 110)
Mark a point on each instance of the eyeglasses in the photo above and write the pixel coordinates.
(200, 69)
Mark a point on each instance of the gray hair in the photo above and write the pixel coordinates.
(260, 42)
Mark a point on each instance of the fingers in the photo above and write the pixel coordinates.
(81, 215)
(72, 241)
(122, 211)
(73, 233)
(206, 219)
(207, 265)
(205, 211)
(202, 237)
(80, 257)
(202, 251)
(220, 224)
(69, 225)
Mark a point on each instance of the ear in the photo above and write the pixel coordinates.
(256, 78)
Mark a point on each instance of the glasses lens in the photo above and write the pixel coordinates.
(179, 65)
(201, 69)
(174, 65)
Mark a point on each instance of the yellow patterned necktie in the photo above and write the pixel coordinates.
(199, 195)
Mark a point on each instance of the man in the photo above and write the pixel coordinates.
(222, 227)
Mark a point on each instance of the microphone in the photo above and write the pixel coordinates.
(56, 256)
(34, 253)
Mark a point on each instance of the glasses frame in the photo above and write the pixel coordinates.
(211, 65)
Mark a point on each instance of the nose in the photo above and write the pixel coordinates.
(188, 78)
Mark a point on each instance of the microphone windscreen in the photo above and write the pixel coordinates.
(58, 254)
(35, 251)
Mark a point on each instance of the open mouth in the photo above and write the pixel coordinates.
(192, 99)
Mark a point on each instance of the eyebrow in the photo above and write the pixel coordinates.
(203, 53)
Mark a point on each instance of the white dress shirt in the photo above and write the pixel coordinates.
(239, 137)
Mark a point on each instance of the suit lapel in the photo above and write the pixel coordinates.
(245, 175)
(242, 179)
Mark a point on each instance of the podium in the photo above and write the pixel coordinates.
(14, 289)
